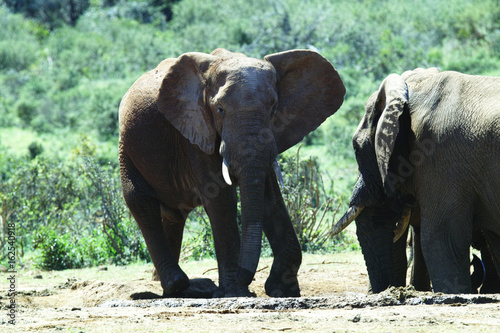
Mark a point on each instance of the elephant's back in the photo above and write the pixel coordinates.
(453, 105)
(140, 100)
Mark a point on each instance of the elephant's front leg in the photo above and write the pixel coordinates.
(278, 228)
(222, 212)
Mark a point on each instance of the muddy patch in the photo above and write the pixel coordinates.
(334, 298)
(391, 297)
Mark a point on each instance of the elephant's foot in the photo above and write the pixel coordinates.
(174, 282)
(283, 284)
(198, 288)
(232, 291)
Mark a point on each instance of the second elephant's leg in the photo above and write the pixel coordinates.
(419, 274)
(400, 260)
(278, 228)
(446, 237)
(490, 254)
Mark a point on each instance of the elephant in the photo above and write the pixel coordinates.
(484, 277)
(428, 140)
(196, 128)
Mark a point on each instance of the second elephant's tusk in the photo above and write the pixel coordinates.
(225, 173)
(402, 224)
(277, 171)
(347, 219)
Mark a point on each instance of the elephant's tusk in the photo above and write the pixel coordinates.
(347, 219)
(402, 224)
(277, 171)
(225, 173)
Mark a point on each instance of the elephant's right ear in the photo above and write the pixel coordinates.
(390, 104)
(180, 99)
(309, 91)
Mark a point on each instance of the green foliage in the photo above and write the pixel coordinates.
(71, 213)
(19, 46)
(35, 149)
(198, 242)
(65, 65)
(55, 253)
(311, 208)
(51, 78)
(52, 13)
(123, 239)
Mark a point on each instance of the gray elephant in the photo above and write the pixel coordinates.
(430, 140)
(198, 126)
(484, 277)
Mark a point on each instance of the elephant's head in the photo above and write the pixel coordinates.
(249, 110)
(380, 141)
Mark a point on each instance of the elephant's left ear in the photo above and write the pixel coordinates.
(309, 91)
(180, 99)
(390, 104)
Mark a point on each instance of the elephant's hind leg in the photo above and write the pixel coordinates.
(146, 210)
(278, 228)
(446, 239)
(173, 222)
(491, 258)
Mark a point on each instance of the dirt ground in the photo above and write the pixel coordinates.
(334, 299)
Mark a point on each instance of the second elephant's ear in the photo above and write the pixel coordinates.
(181, 99)
(390, 104)
(309, 91)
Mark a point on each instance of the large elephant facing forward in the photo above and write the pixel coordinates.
(428, 140)
(196, 127)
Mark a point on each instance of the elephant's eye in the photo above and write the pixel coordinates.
(220, 110)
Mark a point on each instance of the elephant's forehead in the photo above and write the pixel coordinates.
(243, 62)
(245, 68)
(243, 76)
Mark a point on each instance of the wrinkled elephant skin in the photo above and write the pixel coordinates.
(197, 127)
(430, 141)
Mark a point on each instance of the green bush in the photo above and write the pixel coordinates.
(64, 68)
(72, 213)
(55, 253)
(198, 241)
(50, 13)
(312, 209)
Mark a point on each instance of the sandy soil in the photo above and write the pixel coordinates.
(334, 299)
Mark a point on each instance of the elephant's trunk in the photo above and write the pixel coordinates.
(385, 260)
(252, 214)
(248, 155)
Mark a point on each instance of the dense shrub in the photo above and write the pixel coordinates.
(312, 208)
(50, 12)
(65, 65)
(71, 213)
